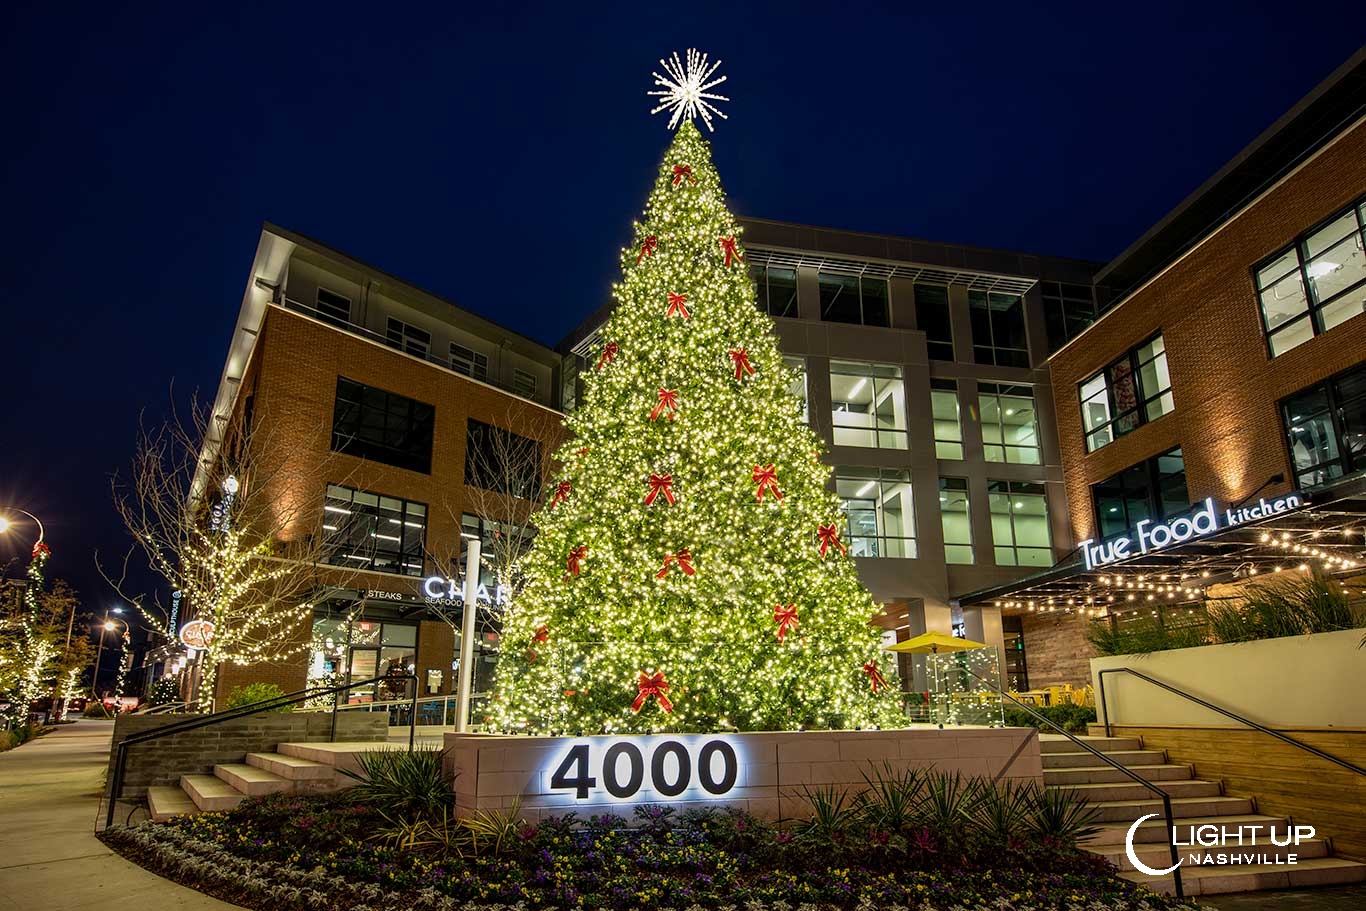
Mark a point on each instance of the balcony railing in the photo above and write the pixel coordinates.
(357, 330)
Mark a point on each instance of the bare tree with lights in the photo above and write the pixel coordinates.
(237, 536)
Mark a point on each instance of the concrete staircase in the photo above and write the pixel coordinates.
(304, 768)
(1120, 800)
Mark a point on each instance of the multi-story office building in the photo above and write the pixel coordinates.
(1229, 368)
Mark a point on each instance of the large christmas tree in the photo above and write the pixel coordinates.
(689, 574)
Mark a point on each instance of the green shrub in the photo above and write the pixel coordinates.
(1071, 718)
(406, 786)
(164, 691)
(1296, 606)
(96, 709)
(1142, 636)
(252, 693)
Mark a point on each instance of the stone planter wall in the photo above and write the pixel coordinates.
(775, 768)
(163, 761)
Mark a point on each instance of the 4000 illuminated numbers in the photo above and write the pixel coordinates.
(672, 767)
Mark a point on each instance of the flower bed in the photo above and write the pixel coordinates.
(290, 852)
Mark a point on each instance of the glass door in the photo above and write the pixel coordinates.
(364, 664)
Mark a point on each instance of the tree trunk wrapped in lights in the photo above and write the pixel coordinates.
(602, 638)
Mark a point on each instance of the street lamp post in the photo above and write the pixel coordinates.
(109, 625)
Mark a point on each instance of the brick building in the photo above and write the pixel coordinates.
(1228, 366)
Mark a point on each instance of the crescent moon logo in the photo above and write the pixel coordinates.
(1133, 858)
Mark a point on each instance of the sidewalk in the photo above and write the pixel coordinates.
(49, 856)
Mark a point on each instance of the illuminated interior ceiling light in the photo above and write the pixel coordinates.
(684, 89)
(1322, 267)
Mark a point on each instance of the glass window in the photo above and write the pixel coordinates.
(854, 299)
(408, 338)
(371, 531)
(1068, 309)
(998, 329)
(1153, 489)
(932, 317)
(1019, 523)
(868, 404)
(469, 362)
(957, 520)
(381, 426)
(1325, 428)
(798, 385)
(1133, 390)
(1010, 430)
(523, 383)
(776, 289)
(502, 461)
(880, 519)
(948, 426)
(333, 307)
(1316, 283)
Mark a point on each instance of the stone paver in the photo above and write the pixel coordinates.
(49, 856)
(1333, 898)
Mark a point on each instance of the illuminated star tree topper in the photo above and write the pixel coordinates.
(685, 87)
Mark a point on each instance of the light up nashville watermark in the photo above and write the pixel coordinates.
(1149, 535)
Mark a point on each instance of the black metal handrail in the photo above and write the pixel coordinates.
(1100, 677)
(243, 711)
(1166, 798)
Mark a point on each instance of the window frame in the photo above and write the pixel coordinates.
(379, 450)
(997, 390)
(1142, 398)
(991, 331)
(934, 346)
(529, 489)
(949, 386)
(1344, 459)
(882, 540)
(1153, 470)
(1012, 490)
(518, 374)
(877, 432)
(409, 561)
(328, 316)
(966, 489)
(477, 362)
(1313, 311)
(403, 336)
(764, 298)
(859, 278)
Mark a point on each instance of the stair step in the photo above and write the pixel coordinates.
(1098, 774)
(210, 792)
(291, 767)
(1077, 758)
(1154, 829)
(1157, 855)
(1182, 808)
(341, 756)
(1127, 789)
(1056, 743)
(164, 803)
(1314, 871)
(250, 780)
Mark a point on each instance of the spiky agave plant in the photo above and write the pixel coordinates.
(890, 800)
(405, 785)
(1062, 816)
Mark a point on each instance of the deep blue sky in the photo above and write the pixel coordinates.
(497, 154)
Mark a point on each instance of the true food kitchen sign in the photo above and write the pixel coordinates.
(1149, 535)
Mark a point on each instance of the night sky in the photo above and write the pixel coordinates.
(496, 155)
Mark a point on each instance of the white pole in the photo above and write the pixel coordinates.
(469, 610)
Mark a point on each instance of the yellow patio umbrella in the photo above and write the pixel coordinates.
(934, 643)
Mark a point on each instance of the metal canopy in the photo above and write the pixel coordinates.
(1328, 533)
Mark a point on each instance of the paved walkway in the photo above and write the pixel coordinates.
(49, 856)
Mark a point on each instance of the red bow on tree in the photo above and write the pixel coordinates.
(575, 556)
(728, 244)
(561, 494)
(874, 675)
(741, 359)
(648, 248)
(678, 303)
(41, 550)
(652, 685)
(767, 479)
(786, 618)
(660, 483)
(684, 560)
(830, 535)
(542, 634)
(609, 354)
(668, 398)
(584, 451)
(681, 171)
